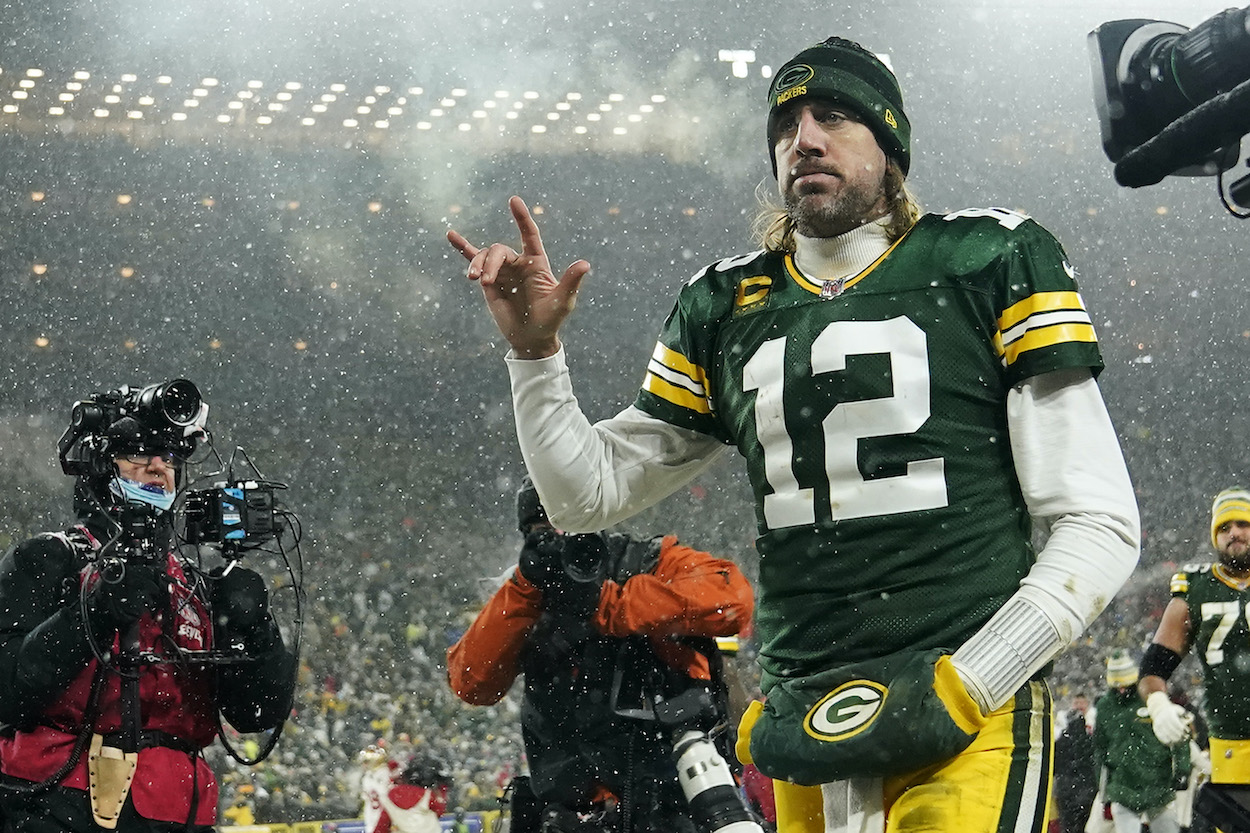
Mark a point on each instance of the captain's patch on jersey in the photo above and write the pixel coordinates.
(846, 711)
(752, 293)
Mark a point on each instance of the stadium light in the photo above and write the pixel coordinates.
(737, 60)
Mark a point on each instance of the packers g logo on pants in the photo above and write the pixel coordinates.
(846, 711)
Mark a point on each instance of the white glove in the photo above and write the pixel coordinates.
(1170, 721)
(1201, 759)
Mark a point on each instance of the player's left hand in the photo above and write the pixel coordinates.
(527, 302)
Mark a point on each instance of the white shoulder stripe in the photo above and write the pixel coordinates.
(1045, 319)
(673, 377)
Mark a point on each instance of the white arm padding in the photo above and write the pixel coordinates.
(1076, 485)
(593, 476)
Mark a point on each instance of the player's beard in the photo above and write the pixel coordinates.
(831, 214)
(1236, 556)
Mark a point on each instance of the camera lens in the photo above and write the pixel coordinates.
(177, 402)
(86, 416)
(181, 402)
(714, 800)
(584, 557)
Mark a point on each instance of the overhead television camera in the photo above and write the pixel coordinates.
(1175, 101)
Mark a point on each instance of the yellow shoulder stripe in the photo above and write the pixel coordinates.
(680, 364)
(1047, 337)
(1180, 583)
(1039, 302)
(675, 394)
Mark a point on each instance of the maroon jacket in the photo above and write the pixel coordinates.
(176, 700)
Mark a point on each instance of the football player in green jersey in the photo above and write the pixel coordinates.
(912, 396)
(1210, 612)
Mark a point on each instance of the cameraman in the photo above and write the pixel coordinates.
(105, 716)
(602, 626)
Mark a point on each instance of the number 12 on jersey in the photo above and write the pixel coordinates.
(922, 486)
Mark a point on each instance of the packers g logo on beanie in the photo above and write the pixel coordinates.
(875, 718)
(1229, 505)
(844, 72)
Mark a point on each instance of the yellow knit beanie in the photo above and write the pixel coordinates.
(1229, 505)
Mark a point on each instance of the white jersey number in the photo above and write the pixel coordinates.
(923, 486)
(1227, 613)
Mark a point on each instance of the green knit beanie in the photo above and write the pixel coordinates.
(844, 72)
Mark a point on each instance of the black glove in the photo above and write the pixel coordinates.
(117, 601)
(544, 561)
(240, 603)
(541, 557)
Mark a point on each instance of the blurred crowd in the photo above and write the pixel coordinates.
(374, 674)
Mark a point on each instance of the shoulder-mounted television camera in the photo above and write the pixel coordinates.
(1173, 100)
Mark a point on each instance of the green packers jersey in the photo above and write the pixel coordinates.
(1219, 624)
(873, 421)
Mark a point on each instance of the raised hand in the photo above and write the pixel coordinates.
(523, 295)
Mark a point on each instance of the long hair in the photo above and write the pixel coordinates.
(774, 228)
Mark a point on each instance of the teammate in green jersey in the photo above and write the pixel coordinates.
(1210, 612)
(912, 396)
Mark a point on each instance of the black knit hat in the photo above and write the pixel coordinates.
(844, 72)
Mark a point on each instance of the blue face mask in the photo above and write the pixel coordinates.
(148, 493)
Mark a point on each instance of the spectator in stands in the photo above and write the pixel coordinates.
(240, 813)
(402, 798)
(608, 630)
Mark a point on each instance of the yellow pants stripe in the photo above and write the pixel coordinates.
(999, 784)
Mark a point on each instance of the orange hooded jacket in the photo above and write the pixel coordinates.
(688, 593)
